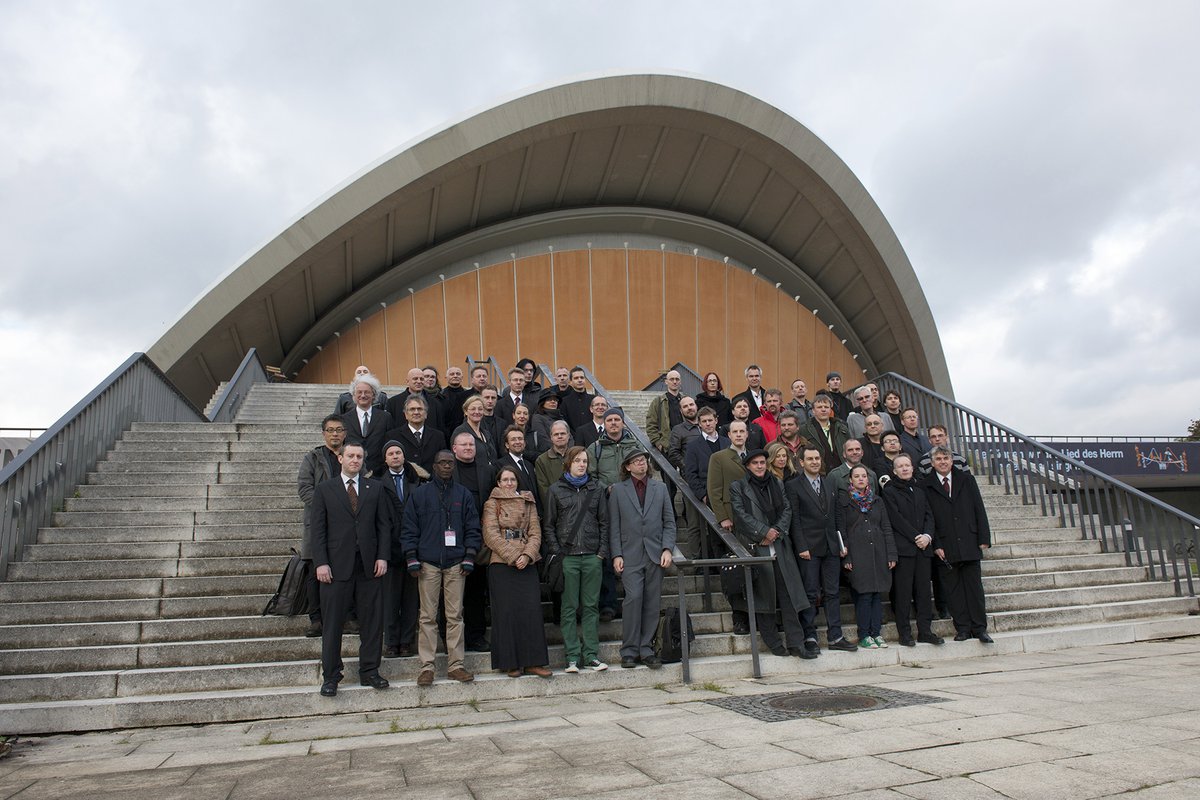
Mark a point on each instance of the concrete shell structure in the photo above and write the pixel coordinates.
(624, 222)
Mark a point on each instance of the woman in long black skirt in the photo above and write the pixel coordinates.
(512, 532)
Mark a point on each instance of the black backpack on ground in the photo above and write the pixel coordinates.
(291, 598)
(668, 641)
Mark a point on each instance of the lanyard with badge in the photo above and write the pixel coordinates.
(451, 535)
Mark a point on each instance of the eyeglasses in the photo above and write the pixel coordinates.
(335, 430)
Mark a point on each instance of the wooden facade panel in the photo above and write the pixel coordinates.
(535, 320)
(679, 301)
(610, 318)
(743, 345)
(572, 301)
(716, 318)
(497, 291)
(645, 316)
(429, 311)
(462, 317)
(766, 335)
(373, 345)
(787, 312)
(400, 352)
(711, 341)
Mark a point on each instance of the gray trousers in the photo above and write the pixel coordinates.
(639, 613)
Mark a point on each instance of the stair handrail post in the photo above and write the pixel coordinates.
(250, 372)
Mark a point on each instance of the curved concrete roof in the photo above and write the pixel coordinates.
(650, 154)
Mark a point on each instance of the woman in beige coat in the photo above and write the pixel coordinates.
(512, 532)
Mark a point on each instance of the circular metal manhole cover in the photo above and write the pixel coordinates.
(823, 703)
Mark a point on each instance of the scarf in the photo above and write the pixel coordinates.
(767, 489)
(579, 482)
(864, 501)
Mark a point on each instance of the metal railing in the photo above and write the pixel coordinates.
(35, 484)
(249, 372)
(1147, 531)
(691, 383)
(1102, 439)
(495, 374)
(740, 557)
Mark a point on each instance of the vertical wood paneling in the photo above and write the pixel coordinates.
(743, 349)
(462, 318)
(371, 343)
(572, 320)
(401, 355)
(787, 311)
(766, 336)
(431, 327)
(680, 305)
(535, 334)
(711, 341)
(610, 318)
(645, 316)
(734, 319)
(496, 290)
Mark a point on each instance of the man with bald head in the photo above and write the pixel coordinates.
(415, 381)
(663, 413)
(857, 421)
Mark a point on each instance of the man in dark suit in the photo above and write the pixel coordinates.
(416, 388)
(513, 396)
(352, 530)
(754, 394)
(575, 403)
(514, 456)
(641, 531)
(401, 593)
(421, 441)
(346, 399)
(818, 551)
(367, 425)
(962, 533)
(319, 465)
(587, 433)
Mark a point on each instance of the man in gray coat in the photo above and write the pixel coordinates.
(641, 529)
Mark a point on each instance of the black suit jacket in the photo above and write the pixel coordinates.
(434, 416)
(755, 408)
(813, 524)
(423, 452)
(960, 520)
(411, 481)
(505, 406)
(526, 481)
(338, 532)
(381, 423)
(586, 434)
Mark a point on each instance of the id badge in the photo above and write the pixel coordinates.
(451, 539)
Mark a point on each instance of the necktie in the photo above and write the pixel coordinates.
(366, 421)
(399, 479)
(517, 402)
(419, 435)
(946, 485)
(353, 496)
(816, 485)
(521, 466)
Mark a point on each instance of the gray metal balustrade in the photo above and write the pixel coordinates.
(1123, 519)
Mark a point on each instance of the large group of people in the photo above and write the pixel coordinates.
(431, 513)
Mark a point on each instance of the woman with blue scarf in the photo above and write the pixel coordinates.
(863, 524)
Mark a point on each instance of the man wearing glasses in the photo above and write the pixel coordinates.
(319, 464)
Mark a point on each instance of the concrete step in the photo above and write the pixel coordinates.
(180, 427)
(78, 570)
(1090, 614)
(1078, 596)
(1035, 549)
(136, 588)
(124, 492)
(1050, 563)
(108, 610)
(159, 504)
(1028, 582)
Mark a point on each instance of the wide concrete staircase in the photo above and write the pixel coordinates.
(141, 604)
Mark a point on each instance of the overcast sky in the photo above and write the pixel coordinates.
(1040, 163)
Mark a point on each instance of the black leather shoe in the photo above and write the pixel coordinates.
(314, 630)
(962, 637)
(802, 652)
(741, 630)
(375, 681)
(391, 651)
(779, 650)
(845, 645)
(812, 649)
(653, 662)
(907, 641)
(983, 637)
(329, 689)
(628, 662)
(930, 638)
(944, 613)
(481, 646)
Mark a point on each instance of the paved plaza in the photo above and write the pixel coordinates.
(1104, 721)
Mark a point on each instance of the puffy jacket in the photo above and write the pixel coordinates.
(605, 457)
(426, 515)
(563, 532)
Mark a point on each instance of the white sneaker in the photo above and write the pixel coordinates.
(572, 667)
(597, 665)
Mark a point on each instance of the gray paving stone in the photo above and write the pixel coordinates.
(232, 755)
(702, 789)
(957, 788)
(825, 780)
(754, 758)
(1107, 737)
(1038, 781)
(1188, 789)
(863, 743)
(1141, 766)
(990, 726)
(960, 759)
(536, 785)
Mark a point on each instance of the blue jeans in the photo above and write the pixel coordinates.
(868, 608)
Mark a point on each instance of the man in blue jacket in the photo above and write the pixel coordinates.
(441, 538)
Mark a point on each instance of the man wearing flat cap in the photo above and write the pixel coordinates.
(641, 532)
